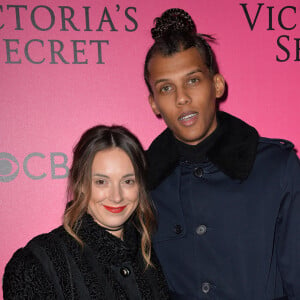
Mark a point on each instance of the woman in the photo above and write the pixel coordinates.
(103, 249)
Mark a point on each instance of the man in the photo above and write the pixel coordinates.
(228, 201)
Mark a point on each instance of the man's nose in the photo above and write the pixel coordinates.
(182, 96)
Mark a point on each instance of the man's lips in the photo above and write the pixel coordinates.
(188, 118)
(113, 209)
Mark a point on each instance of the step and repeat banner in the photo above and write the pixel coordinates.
(69, 65)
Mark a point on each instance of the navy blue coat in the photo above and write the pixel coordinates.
(229, 227)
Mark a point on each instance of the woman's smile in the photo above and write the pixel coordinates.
(115, 210)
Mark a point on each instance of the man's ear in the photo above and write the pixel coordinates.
(219, 82)
(153, 105)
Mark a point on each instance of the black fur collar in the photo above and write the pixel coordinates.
(233, 153)
(109, 249)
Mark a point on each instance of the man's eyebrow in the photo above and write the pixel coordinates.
(160, 80)
(194, 71)
(188, 74)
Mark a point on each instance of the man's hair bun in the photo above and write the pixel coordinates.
(174, 20)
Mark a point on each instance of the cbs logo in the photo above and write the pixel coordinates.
(10, 167)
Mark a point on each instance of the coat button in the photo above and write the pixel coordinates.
(205, 287)
(201, 229)
(125, 272)
(198, 172)
(177, 229)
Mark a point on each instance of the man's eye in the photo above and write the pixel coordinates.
(166, 89)
(193, 81)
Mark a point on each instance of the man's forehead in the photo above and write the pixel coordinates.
(182, 63)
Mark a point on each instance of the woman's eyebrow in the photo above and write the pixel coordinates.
(128, 175)
(100, 175)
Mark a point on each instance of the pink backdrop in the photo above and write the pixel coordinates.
(46, 106)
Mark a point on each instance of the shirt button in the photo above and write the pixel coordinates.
(125, 272)
(201, 229)
(205, 287)
(177, 229)
(198, 172)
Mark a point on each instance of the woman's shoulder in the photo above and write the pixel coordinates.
(38, 269)
(48, 240)
(25, 255)
(24, 275)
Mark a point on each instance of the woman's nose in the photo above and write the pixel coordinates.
(116, 194)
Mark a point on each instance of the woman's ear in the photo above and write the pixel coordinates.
(219, 83)
(82, 191)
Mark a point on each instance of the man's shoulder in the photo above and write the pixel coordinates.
(275, 148)
(278, 154)
(281, 144)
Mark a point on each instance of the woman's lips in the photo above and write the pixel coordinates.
(188, 118)
(114, 210)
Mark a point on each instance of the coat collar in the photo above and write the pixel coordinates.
(233, 153)
(108, 248)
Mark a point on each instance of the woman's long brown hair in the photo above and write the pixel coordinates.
(96, 139)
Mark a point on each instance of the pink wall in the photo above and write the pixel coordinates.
(45, 107)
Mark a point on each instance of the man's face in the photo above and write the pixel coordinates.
(184, 94)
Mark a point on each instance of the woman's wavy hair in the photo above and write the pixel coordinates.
(176, 31)
(97, 139)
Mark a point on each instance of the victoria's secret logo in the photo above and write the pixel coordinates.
(289, 46)
(61, 19)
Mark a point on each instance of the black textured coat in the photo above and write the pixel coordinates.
(55, 266)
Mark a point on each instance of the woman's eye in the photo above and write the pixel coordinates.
(129, 181)
(100, 182)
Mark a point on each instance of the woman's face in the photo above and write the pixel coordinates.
(114, 190)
